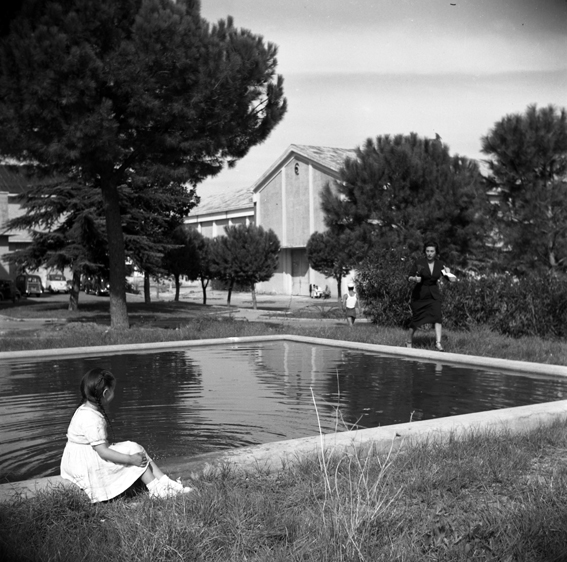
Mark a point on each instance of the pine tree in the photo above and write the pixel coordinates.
(67, 224)
(104, 91)
(67, 228)
(334, 254)
(203, 267)
(150, 221)
(401, 190)
(182, 259)
(245, 255)
(528, 170)
(9, 9)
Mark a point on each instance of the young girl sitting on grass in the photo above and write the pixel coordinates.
(104, 471)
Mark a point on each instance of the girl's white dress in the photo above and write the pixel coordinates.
(101, 480)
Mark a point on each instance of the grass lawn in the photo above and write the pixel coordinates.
(498, 498)
(177, 321)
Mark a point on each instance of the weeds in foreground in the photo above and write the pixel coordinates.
(500, 498)
(355, 490)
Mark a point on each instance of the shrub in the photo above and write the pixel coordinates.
(383, 288)
(480, 301)
(533, 305)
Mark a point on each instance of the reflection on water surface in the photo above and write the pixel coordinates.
(184, 402)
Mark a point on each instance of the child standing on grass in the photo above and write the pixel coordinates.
(350, 304)
(104, 471)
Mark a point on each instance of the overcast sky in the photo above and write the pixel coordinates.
(355, 69)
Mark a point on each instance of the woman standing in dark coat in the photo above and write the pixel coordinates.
(425, 296)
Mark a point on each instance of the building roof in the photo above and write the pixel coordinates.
(325, 155)
(233, 199)
(328, 158)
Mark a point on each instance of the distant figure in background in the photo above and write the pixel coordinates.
(350, 304)
(101, 470)
(425, 297)
(315, 291)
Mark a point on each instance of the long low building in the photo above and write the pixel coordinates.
(12, 185)
(286, 198)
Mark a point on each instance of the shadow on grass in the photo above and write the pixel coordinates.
(320, 310)
(99, 312)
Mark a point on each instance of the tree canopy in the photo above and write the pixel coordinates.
(401, 190)
(184, 258)
(246, 254)
(527, 159)
(335, 254)
(67, 225)
(9, 9)
(151, 220)
(117, 95)
(203, 271)
(67, 230)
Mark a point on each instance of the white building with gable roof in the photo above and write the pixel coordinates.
(286, 199)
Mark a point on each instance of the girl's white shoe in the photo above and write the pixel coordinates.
(165, 487)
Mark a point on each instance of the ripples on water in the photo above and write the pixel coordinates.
(184, 402)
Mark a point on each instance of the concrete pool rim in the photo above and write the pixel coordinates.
(275, 456)
(505, 365)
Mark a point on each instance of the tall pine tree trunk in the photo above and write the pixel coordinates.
(177, 287)
(147, 294)
(230, 286)
(116, 254)
(339, 287)
(74, 292)
(254, 303)
(204, 285)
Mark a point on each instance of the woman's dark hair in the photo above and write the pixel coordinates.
(93, 384)
(432, 244)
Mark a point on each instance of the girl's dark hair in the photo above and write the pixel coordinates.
(93, 384)
(432, 244)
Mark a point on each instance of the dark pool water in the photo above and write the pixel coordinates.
(183, 402)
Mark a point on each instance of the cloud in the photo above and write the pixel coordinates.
(394, 51)
(415, 36)
(355, 69)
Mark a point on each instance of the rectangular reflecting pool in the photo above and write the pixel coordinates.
(195, 400)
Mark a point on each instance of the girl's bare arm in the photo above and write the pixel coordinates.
(108, 454)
